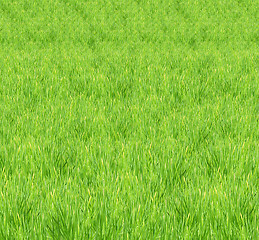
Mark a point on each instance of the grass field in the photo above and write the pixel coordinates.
(129, 119)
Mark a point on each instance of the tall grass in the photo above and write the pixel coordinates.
(129, 119)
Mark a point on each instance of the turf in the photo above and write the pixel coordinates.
(123, 119)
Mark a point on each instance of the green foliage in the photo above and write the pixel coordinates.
(129, 119)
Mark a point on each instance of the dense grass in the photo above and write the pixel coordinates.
(129, 119)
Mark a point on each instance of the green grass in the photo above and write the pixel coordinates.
(129, 119)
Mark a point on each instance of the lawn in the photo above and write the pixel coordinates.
(129, 119)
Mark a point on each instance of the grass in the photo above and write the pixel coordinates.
(129, 119)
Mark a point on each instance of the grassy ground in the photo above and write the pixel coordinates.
(129, 119)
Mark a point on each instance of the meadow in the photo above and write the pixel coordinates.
(129, 119)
